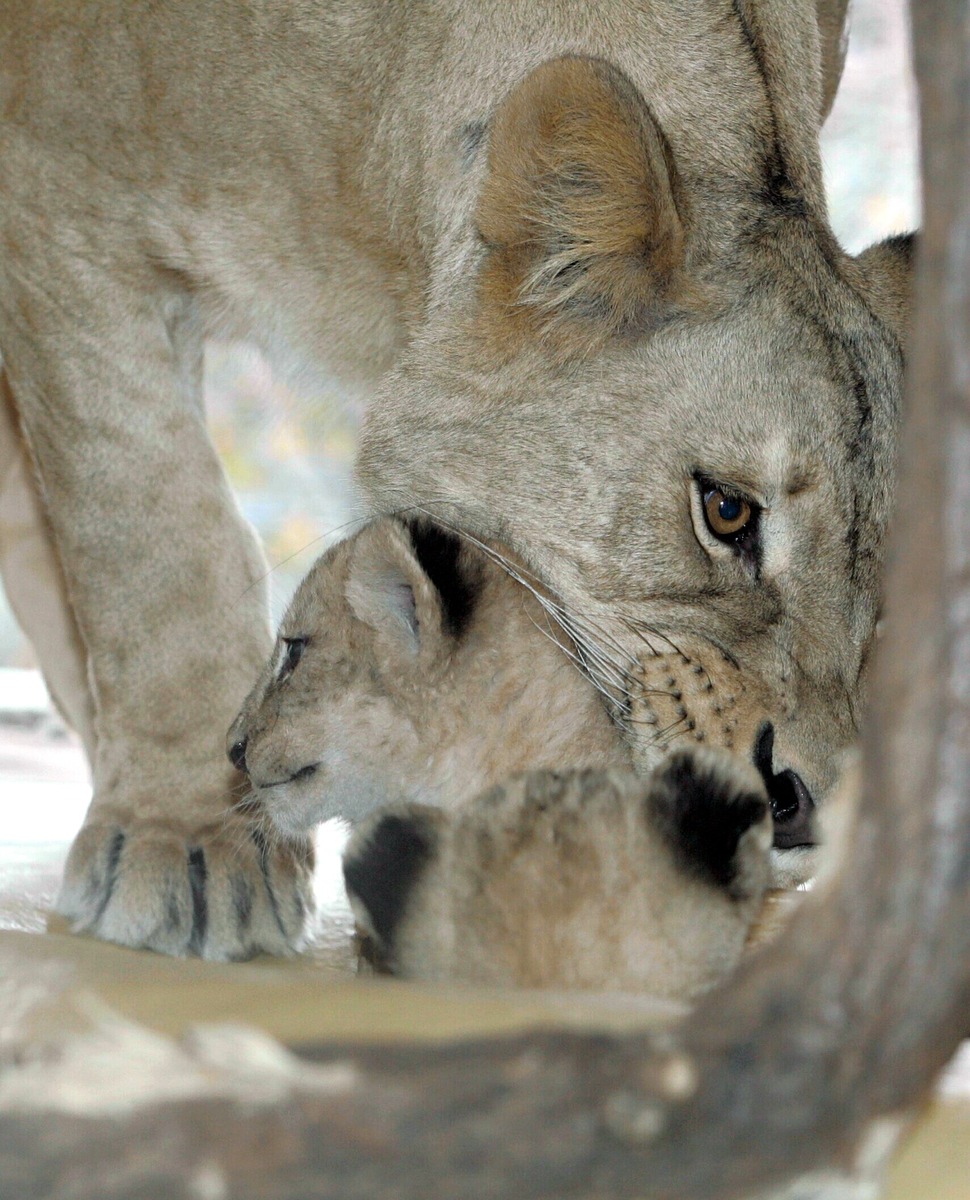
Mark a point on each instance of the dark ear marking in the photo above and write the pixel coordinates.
(441, 556)
(383, 863)
(470, 138)
(702, 815)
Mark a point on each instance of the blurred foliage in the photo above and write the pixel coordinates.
(870, 141)
(288, 455)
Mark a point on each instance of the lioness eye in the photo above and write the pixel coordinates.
(293, 653)
(727, 516)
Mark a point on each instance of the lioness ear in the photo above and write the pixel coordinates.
(413, 585)
(888, 273)
(579, 208)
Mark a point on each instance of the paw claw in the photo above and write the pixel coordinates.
(224, 893)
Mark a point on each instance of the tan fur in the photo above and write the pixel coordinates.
(374, 714)
(551, 364)
(578, 204)
(568, 880)
(557, 879)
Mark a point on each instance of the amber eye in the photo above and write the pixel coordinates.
(727, 516)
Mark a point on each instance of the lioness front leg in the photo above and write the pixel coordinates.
(34, 581)
(165, 579)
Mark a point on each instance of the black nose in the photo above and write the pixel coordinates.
(237, 754)
(792, 806)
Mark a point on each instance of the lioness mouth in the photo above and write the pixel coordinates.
(792, 806)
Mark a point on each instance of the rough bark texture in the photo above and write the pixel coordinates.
(778, 1076)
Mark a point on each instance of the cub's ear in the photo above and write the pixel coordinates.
(385, 858)
(415, 584)
(580, 210)
(888, 273)
(712, 810)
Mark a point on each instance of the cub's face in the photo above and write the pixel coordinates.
(412, 666)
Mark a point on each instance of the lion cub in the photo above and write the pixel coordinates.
(413, 675)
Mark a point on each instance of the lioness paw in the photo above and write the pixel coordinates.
(225, 892)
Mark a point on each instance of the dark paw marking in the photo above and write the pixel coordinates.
(102, 886)
(198, 874)
(703, 816)
(382, 870)
(242, 901)
(262, 847)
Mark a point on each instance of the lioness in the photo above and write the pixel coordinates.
(577, 253)
(413, 673)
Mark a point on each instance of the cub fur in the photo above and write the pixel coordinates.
(578, 259)
(411, 666)
(582, 879)
(412, 674)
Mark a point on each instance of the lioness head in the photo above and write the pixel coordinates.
(411, 666)
(659, 380)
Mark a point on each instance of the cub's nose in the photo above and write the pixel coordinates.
(237, 755)
(792, 806)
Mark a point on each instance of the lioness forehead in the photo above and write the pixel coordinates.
(760, 396)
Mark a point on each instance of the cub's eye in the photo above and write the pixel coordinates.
(292, 653)
(728, 517)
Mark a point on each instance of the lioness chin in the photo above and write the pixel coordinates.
(579, 257)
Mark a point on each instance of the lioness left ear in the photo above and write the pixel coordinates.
(579, 210)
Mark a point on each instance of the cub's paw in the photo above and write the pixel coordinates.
(713, 812)
(573, 879)
(227, 891)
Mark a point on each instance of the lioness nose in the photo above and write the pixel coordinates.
(237, 754)
(792, 806)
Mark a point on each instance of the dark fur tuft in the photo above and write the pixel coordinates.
(441, 556)
(702, 817)
(903, 245)
(382, 871)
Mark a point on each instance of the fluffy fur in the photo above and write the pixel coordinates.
(564, 335)
(425, 672)
(583, 879)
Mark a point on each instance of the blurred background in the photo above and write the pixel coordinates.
(290, 456)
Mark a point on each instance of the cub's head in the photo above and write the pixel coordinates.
(584, 879)
(654, 374)
(410, 664)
